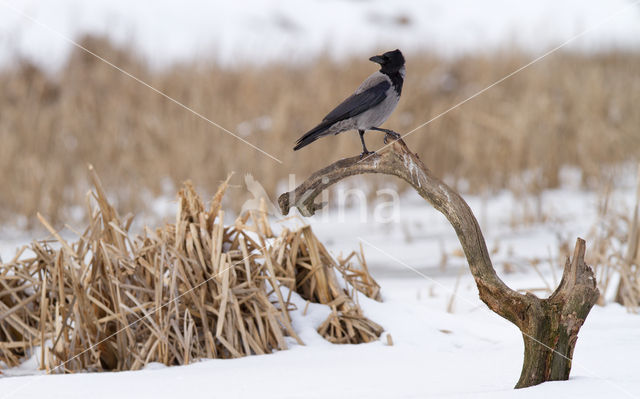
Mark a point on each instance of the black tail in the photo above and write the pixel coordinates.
(312, 135)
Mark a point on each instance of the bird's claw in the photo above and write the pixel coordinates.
(366, 153)
(392, 134)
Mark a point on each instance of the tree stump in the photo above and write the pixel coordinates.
(549, 326)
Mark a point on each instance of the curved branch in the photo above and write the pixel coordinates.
(397, 160)
(549, 326)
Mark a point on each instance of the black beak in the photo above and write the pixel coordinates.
(377, 59)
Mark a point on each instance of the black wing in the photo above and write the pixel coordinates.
(352, 106)
(358, 103)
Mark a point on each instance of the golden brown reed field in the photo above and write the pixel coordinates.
(568, 109)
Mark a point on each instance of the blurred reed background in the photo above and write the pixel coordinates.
(570, 109)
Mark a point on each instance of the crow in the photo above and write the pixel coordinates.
(367, 108)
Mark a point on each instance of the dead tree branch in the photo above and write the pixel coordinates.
(549, 326)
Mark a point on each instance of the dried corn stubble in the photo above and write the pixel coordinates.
(189, 290)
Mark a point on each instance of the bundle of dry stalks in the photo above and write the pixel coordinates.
(189, 290)
(316, 282)
(358, 276)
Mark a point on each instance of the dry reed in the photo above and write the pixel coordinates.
(568, 109)
(616, 251)
(192, 289)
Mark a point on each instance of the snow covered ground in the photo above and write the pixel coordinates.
(466, 353)
(470, 354)
(259, 31)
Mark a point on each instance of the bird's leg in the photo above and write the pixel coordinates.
(364, 147)
(394, 135)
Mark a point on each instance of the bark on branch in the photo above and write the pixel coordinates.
(549, 326)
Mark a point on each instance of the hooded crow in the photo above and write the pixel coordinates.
(367, 108)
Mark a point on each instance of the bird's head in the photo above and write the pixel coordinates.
(391, 61)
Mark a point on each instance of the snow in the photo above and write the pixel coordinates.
(468, 353)
(259, 31)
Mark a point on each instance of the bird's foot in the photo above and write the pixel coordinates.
(366, 153)
(390, 133)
